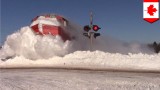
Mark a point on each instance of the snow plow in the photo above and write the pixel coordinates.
(50, 24)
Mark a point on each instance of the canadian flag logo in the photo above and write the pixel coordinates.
(151, 10)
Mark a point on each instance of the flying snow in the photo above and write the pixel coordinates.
(26, 49)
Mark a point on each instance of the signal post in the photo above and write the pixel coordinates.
(91, 31)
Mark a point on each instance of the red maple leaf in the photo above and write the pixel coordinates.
(151, 10)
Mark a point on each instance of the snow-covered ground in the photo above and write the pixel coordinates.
(90, 60)
(56, 79)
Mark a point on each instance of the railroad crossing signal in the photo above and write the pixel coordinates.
(96, 28)
(89, 30)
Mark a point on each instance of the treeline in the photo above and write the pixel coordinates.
(155, 46)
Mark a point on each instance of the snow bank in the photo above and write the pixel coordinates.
(91, 60)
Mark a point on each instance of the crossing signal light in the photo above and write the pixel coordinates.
(96, 35)
(96, 28)
(87, 28)
(86, 34)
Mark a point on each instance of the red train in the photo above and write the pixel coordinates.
(50, 24)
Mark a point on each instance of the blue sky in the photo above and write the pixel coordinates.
(122, 19)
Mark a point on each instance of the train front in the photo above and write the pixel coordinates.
(50, 24)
